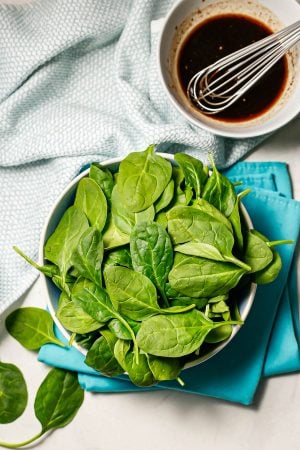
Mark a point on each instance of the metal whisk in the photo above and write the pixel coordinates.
(221, 84)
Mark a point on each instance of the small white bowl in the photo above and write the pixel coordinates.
(52, 293)
(276, 14)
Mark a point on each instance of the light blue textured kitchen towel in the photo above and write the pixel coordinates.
(263, 346)
(78, 82)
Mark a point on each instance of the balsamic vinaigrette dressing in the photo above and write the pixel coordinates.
(219, 36)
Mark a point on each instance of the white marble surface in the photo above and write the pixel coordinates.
(171, 420)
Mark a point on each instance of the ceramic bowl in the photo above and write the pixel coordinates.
(52, 293)
(184, 16)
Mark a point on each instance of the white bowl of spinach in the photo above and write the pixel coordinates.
(151, 264)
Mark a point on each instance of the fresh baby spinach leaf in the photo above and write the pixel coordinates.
(182, 194)
(101, 355)
(56, 403)
(142, 178)
(271, 271)
(165, 369)
(214, 213)
(219, 334)
(138, 372)
(73, 317)
(195, 173)
(258, 254)
(31, 327)
(219, 192)
(50, 270)
(165, 198)
(121, 349)
(199, 235)
(161, 219)
(175, 335)
(134, 295)
(113, 237)
(119, 257)
(61, 245)
(235, 220)
(88, 256)
(123, 218)
(103, 178)
(152, 254)
(58, 399)
(120, 331)
(96, 302)
(200, 277)
(91, 200)
(13, 393)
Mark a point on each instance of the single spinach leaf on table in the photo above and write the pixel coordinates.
(199, 235)
(101, 355)
(13, 389)
(142, 178)
(61, 245)
(195, 173)
(200, 277)
(91, 200)
(103, 178)
(134, 295)
(220, 192)
(31, 327)
(175, 335)
(56, 403)
(58, 399)
(152, 254)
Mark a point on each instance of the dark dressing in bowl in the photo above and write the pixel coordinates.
(216, 38)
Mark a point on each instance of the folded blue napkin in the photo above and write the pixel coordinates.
(267, 344)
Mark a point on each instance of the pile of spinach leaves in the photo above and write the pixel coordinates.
(150, 261)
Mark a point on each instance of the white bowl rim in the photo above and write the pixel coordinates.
(50, 307)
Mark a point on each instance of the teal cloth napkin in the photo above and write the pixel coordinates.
(79, 82)
(267, 344)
